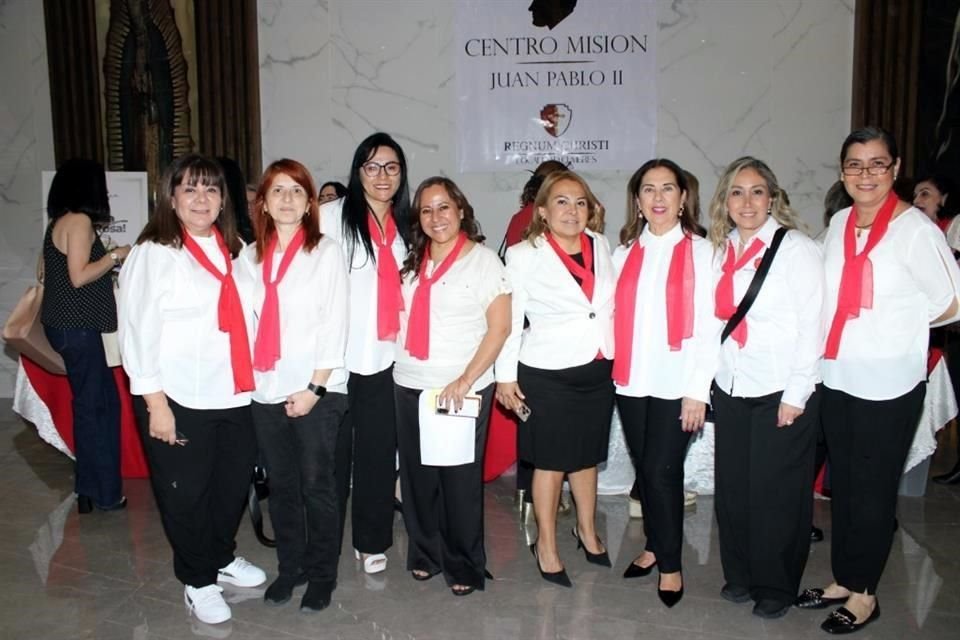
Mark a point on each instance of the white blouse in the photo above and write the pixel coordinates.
(566, 329)
(313, 319)
(458, 320)
(366, 354)
(784, 326)
(883, 352)
(168, 327)
(655, 370)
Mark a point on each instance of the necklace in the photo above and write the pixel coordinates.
(860, 228)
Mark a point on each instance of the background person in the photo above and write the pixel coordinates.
(560, 367)
(455, 321)
(764, 395)
(78, 307)
(299, 285)
(183, 336)
(331, 191)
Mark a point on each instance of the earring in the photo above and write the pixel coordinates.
(680, 214)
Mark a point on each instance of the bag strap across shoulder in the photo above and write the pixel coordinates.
(751, 295)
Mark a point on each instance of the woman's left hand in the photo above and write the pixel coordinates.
(452, 395)
(692, 414)
(787, 414)
(301, 403)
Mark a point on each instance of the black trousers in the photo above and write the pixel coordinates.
(304, 505)
(372, 429)
(868, 441)
(442, 506)
(201, 487)
(96, 414)
(658, 445)
(763, 480)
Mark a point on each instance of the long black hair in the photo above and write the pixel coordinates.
(237, 188)
(80, 186)
(355, 207)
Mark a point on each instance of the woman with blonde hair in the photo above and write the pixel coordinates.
(769, 291)
(556, 374)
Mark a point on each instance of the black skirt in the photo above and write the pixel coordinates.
(570, 413)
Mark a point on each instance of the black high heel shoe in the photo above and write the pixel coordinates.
(669, 598)
(602, 558)
(559, 578)
(84, 504)
(636, 571)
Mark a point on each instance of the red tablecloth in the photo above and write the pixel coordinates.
(55, 392)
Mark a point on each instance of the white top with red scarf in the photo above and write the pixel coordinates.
(169, 329)
(366, 353)
(313, 319)
(458, 320)
(655, 370)
(883, 353)
(785, 334)
(566, 329)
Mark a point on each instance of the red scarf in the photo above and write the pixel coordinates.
(389, 298)
(585, 272)
(856, 280)
(680, 288)
(229, 312)
(418, 325)
(724, 295)
(266, 348)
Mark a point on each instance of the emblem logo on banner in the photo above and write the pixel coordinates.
(556, 119)
(523, 69)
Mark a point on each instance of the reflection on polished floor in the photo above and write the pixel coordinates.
(108, 575)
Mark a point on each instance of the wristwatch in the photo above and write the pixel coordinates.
(318, 389)
(116, 258)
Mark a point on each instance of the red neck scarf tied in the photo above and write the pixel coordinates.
(266, 348)
(389, 298)
(418, 325)
(725, 308)
(229, 312)
(680, 289)
(585, 272)
(856, 280)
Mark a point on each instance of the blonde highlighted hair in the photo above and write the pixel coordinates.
(538, 226)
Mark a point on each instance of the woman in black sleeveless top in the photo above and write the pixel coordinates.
(78, 306)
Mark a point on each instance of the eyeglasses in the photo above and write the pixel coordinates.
(373, 169)
(873, 169)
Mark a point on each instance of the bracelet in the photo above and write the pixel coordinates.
(317, 389)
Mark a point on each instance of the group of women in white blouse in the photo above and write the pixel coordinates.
(357, 309)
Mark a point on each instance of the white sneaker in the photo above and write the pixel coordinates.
(206, 603)
(242, 574)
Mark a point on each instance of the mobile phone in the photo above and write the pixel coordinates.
(470, 408)
(523, 412)
(181, 440)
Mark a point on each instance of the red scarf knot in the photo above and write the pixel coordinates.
(725, 308)
(418, 324)
(230, 318)
(856, 279)
(389, 297)
(266, 348)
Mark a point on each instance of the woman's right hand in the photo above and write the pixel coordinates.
(510, 396)
(122, 252)
(163, 426)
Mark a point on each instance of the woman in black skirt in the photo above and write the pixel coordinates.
(558, 371)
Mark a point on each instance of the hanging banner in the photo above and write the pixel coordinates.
(568, 80)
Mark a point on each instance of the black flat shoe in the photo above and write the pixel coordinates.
(464, 589)
(816, 534)
(559, 578)
(116, 506)
(669, 598)
(770, 609)
(951, 477)
(636, 571)
(735, 593)
(602, 558)
(843, 621)
(814, 599)
(422, 577)
(280, 590)
(317, 598)
(84, 504)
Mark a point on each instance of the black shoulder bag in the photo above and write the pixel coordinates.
(751, 295)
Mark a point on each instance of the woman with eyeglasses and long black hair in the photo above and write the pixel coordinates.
(371, 223)
(889, 276)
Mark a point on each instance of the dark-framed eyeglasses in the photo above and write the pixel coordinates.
(873, 169)
(372, 169)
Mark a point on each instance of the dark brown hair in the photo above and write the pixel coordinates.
(635, 222)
